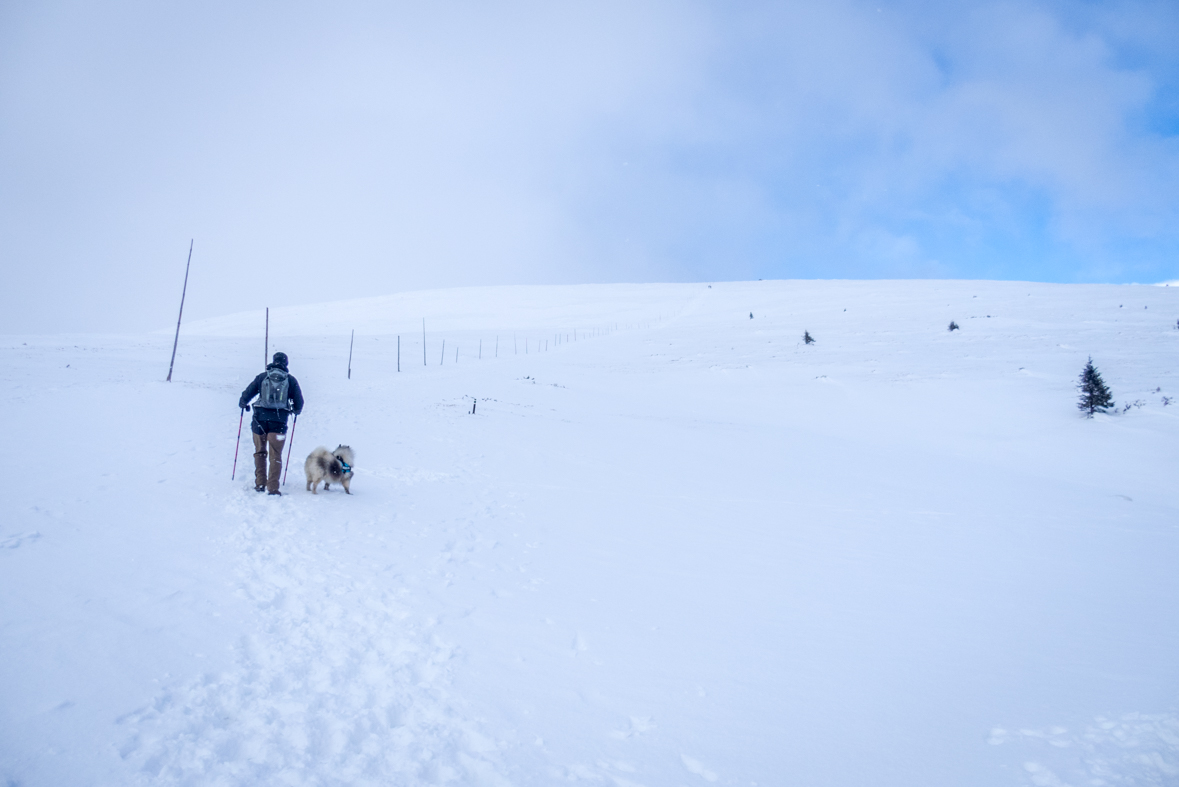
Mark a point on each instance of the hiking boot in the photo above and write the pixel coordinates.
(275, 493)
(261, 488)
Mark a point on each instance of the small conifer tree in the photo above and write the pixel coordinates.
(1095, 394)
(953, 325)
(807, 338)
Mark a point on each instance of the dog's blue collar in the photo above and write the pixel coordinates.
(347, 467)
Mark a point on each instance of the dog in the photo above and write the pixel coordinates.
(330, 467)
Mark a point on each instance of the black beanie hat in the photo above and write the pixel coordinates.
(280, 359)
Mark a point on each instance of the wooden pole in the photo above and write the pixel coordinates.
(183, 292)
(350, 341)
(442, 357)
(266, 346)
(497, 346)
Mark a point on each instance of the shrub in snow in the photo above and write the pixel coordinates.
(1095, 394)
(806, 337)
(953, 325)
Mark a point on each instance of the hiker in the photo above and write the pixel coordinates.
(278, 395)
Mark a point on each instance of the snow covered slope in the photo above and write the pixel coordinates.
(684, 548)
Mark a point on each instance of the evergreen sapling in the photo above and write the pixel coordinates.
(1095, 394)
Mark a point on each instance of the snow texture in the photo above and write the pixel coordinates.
(681, 548)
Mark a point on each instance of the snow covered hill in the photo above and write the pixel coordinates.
(672, 545)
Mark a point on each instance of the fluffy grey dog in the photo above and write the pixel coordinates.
(330, 467)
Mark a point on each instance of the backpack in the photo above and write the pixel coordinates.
(274, 390)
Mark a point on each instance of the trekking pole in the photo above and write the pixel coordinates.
(290, 446)
(238, 444)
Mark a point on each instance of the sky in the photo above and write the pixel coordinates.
(318, 151)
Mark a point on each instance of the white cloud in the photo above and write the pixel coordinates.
(323, 152)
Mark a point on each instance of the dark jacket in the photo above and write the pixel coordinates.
(263, 415)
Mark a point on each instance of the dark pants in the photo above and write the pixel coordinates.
(268, 425)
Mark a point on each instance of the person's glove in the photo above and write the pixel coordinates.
(241, 405)
(297, 413)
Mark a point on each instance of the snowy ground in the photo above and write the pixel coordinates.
(685, 550)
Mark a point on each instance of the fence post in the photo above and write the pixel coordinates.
(176, 341)
(350, 341)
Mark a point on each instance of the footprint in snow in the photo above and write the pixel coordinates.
(638, 726)
(1137, 748)
(19, 540)
(697, 767)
